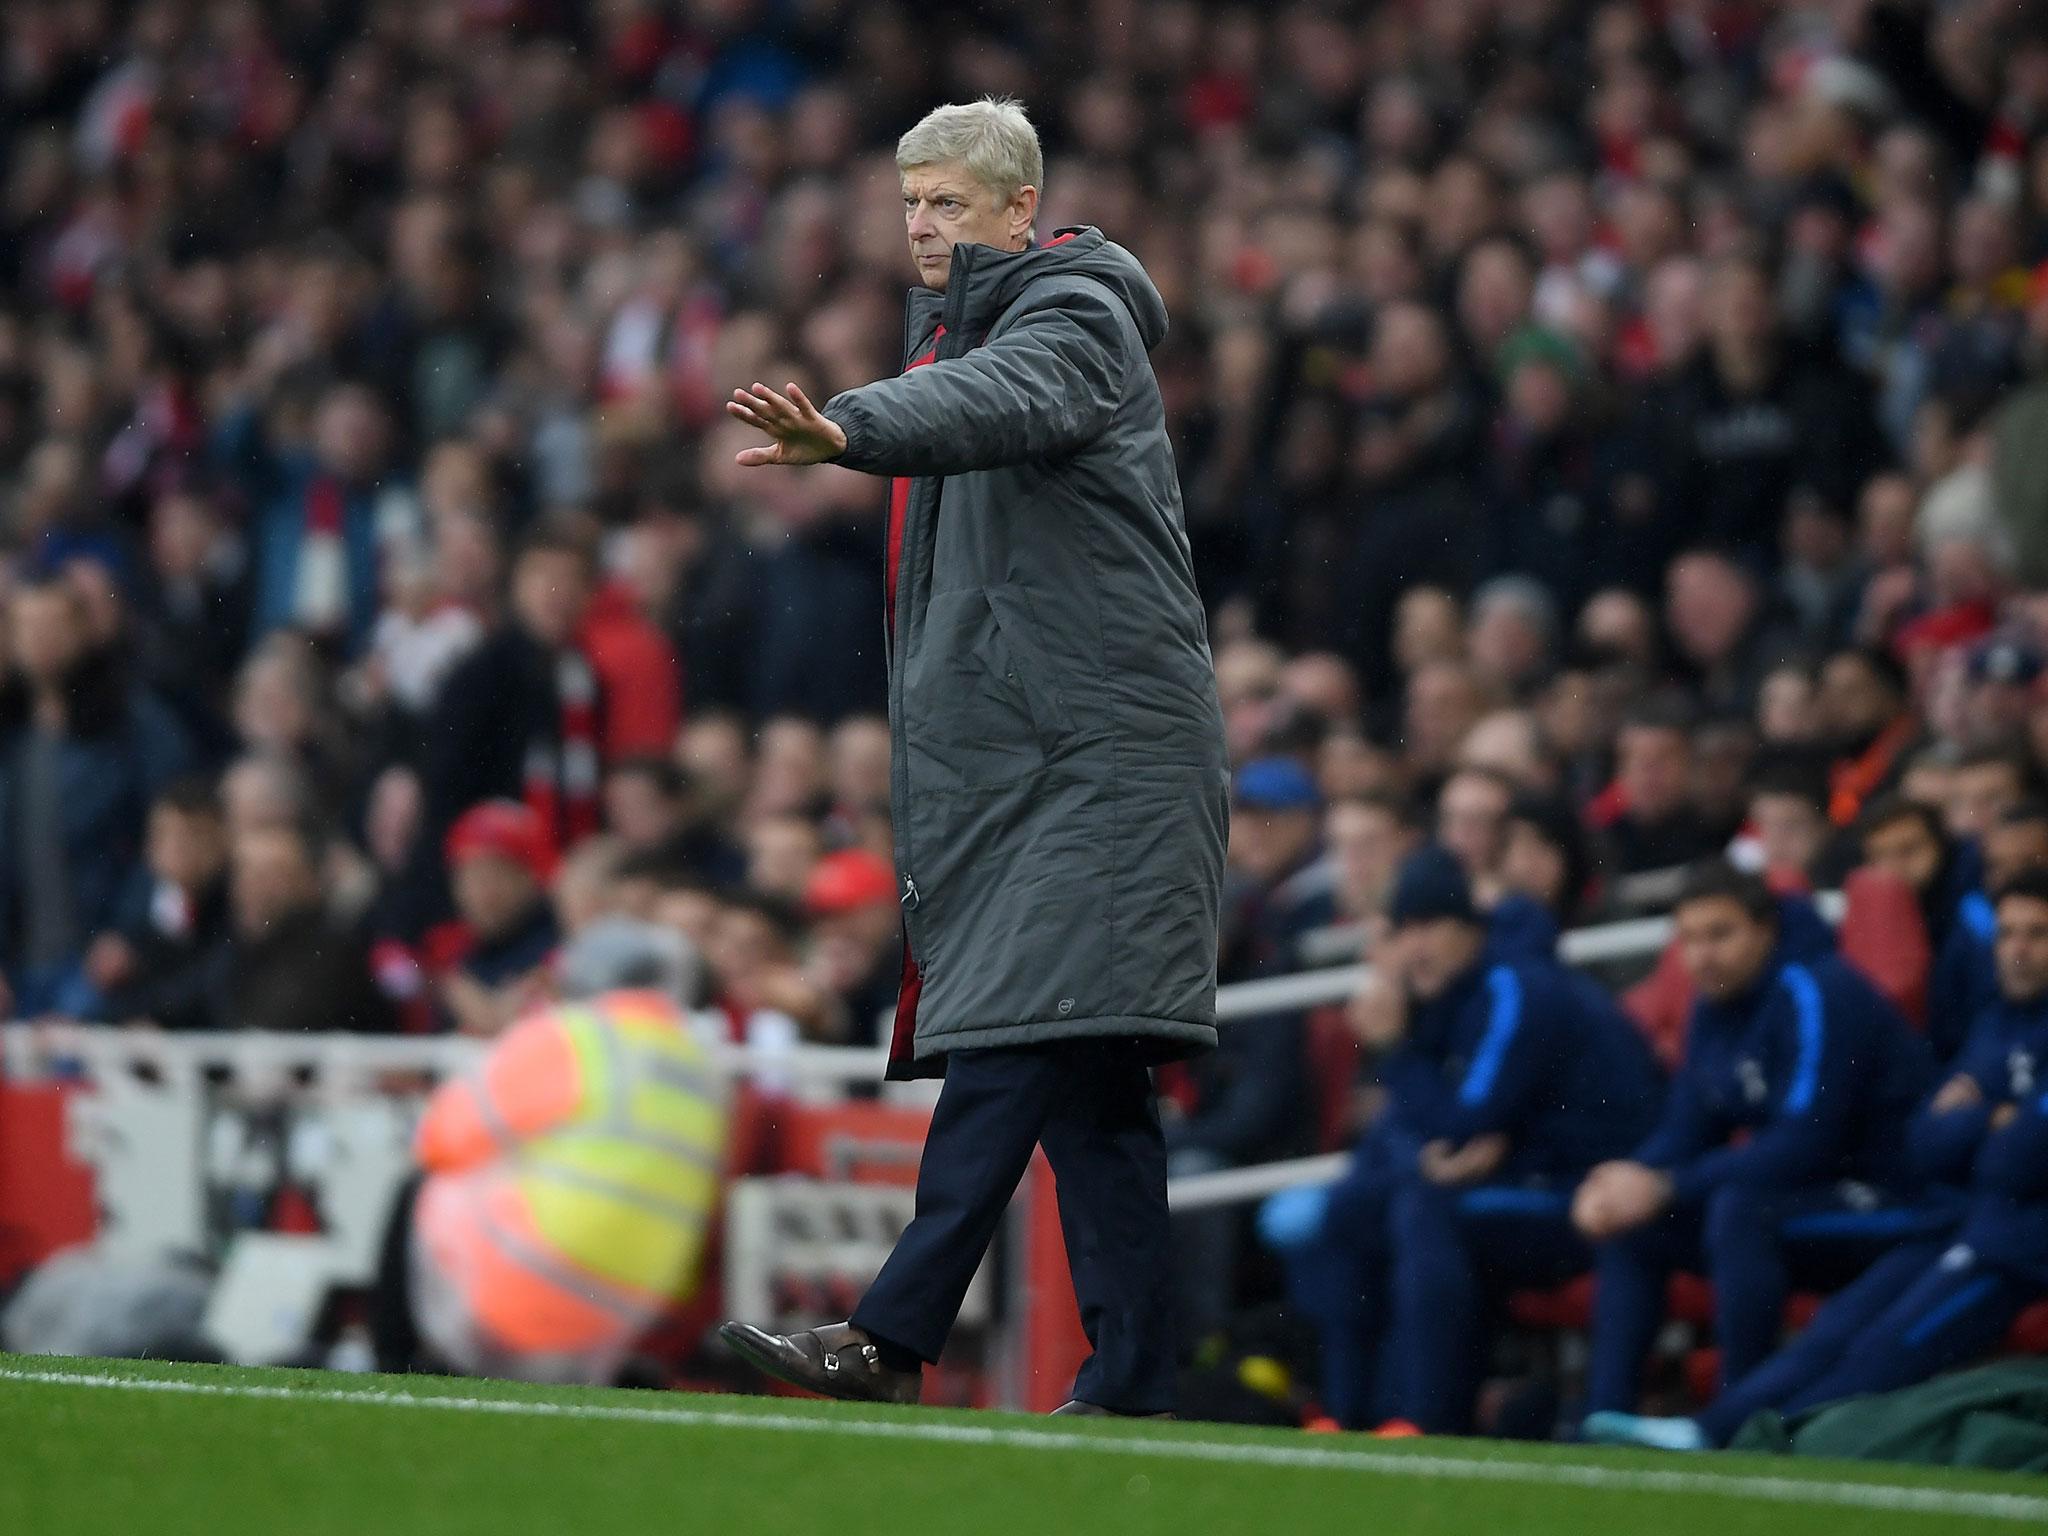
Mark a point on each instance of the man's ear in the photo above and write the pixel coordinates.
(1023, 213)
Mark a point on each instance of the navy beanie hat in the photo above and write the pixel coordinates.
(1431, 884)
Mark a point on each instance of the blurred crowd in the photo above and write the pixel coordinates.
(1610, 435)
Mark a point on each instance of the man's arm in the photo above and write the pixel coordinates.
(1506, 1072)
(1808, 1126)
(1683, 1131)
(1045, 386)
(1944, 1136)
(2014, 1158)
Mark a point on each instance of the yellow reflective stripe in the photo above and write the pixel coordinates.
(585, 1033)
(632, 1163)
(625, 1243)
(676, 1075)
(679, 1207)
(599, 1290)
(662, 1118)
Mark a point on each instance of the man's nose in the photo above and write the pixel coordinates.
(920, 222)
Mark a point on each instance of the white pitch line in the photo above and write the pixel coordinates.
(1427, 1466)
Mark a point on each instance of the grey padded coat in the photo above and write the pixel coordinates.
(1060, 790)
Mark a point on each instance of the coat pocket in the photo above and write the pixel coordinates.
(1034, 673)
(977, 712)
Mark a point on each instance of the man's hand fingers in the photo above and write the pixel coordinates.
(763, 408)
(803, 402)
(772, 405)
(755, 457)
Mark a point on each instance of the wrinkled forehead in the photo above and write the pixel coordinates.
(943, 178)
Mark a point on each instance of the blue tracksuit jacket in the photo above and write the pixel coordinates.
(1520, 1047)
(1809, 1076)
(1965, 977)
(2007, 1054)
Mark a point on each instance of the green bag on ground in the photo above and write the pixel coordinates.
(1995, 1417)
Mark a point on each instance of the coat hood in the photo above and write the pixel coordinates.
(995, 278)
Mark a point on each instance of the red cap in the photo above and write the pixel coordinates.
(506, 829)
(847, 881)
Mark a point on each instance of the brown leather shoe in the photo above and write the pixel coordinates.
(1080, 1410)
(834, 1361)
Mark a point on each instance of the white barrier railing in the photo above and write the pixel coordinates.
(1601, 944)
(260, 1065)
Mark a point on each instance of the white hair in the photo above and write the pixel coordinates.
(991, 137)
(1960, 507)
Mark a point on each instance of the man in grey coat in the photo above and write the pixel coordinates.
(1059, 782)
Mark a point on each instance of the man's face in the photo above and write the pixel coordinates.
(1655, 770)
(273, 879)
(943, 206)
(1470, 817)
(1442, 705)
(639, 814)
(1855, 703)
(1368, 843)
(847, 946)
(1979, 794)
(1723, 947)
(2011, 847)
(1791, 829)
(781, 851)
(48, 632)
(185, 847)
(743, 945)
(1266, 844)
(550, 589)
(492, 893)
(2022, 948)
(1435, 953)
(1533, 865)
(1710, 603)
(693, 914)
(1906, 848)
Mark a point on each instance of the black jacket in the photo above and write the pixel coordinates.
(306, 973)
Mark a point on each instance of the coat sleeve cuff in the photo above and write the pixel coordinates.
(850, 418)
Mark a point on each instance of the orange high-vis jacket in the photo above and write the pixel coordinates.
(571, 1178)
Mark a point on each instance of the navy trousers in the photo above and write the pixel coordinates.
(1090, 1105)
(1405, 1291)
(1918, 1310)
(1754, 1245)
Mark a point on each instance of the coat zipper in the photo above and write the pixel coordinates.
(948, 345)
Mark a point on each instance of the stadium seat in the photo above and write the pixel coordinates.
(1884, 936)
(1333, 1057)
(2029, 1334)
(1659, 1003)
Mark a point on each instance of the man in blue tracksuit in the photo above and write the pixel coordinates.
(1936, 1303)
(1504, 1082)
(1964, 981)
(1780, 1148)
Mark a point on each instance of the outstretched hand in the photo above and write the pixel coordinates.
(803, 434)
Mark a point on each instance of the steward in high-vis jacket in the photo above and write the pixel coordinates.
(570, 1181)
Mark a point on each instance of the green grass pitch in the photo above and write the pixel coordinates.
(101, 1448)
